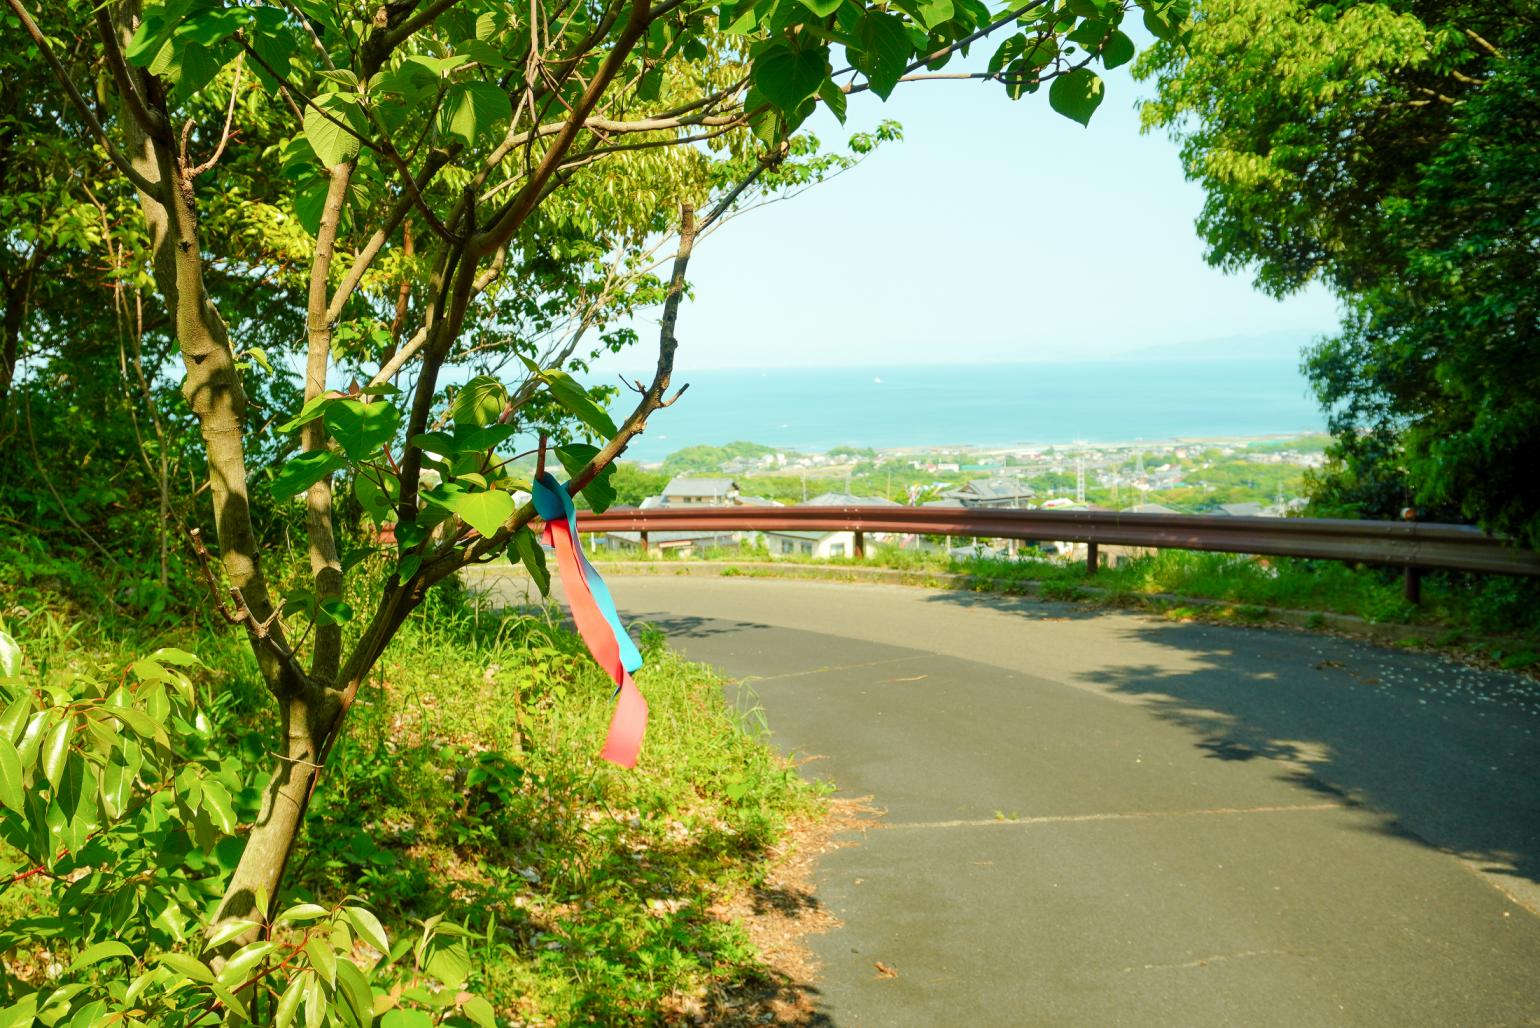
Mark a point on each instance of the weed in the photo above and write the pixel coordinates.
(468, 782)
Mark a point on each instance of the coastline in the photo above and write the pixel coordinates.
(1039, 449)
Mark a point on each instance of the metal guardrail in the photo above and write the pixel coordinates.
(1414, 546)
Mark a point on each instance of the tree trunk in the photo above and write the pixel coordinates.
(310, 719)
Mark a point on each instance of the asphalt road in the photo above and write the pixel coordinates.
(1098, 818)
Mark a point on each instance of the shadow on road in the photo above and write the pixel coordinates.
(1446, 752)
(677, 626)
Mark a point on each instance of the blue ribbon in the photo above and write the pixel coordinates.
(553, 503)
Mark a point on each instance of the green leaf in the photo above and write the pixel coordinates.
(15, 718)
(313, 408)
(290, 1002)
(479, 402)
(831, 94)
(1118, 51)
(934, 12)
(244, 960)
(304, 471)
(273, 42)
(1162, 26)
(10, 656)
(232, 1003)
(354, 990)
(450, 965)
(438, 67)
(884, 53)
(480, 1011)
(174, 656)
(1076, 95)
(379, 503)
(467, 438)
(528, 548)
(138, 722)
(302, 913)
(154, 31)
(336, 612)
(228, 931)
(576, 400)
(600, 492)
(362, 428)
(55, 748)
(323, 958)
(187, 967)
(1040, 52)
(12, 794)
(787, 77)
(485, 511)
(315, 1002)
(335, 139)
(472, 108)
(216, 800)
(147, 670)
(737, 17)
(1089, 33)
(408, 567)
(32, 736)
(99, 952)
(209, 26)
(822, 8)
(368, 926)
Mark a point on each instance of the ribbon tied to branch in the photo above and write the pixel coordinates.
(593, 611)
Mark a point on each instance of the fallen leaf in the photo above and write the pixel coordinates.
(884, 971)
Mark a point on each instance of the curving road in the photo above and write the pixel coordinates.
(1103, 818)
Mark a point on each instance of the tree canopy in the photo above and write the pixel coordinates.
(383, 241)
(1390, 150)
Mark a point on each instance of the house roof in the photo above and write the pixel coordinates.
(684, 485)
(847, 500)
(992, 489)
(1148, 508)
(1241, 510)
(758, 501)
(803, 535)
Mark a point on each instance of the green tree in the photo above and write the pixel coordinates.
(440, 188)
(1387, 149)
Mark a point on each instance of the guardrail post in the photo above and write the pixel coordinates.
(1091, 558)
(1411, 585)
(644, 544)
(859, 548)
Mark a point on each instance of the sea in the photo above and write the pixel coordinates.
(997, 405)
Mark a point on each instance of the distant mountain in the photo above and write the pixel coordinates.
(1282, 345)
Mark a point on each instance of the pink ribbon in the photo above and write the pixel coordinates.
(596, 625)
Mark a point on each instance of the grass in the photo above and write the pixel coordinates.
(468, 783)
(1499, 617)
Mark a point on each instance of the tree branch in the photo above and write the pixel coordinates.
(152, 123)
(224, 136)
(141, 183)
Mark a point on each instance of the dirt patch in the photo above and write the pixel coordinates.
(779, 915)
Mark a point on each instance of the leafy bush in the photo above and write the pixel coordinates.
(119, 813)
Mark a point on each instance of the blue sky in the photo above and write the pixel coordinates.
(996, 231)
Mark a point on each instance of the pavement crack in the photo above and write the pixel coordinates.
(1133, 815)
(837, 667)
(1219, 958)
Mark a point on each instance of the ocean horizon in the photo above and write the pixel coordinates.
(995, 405)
